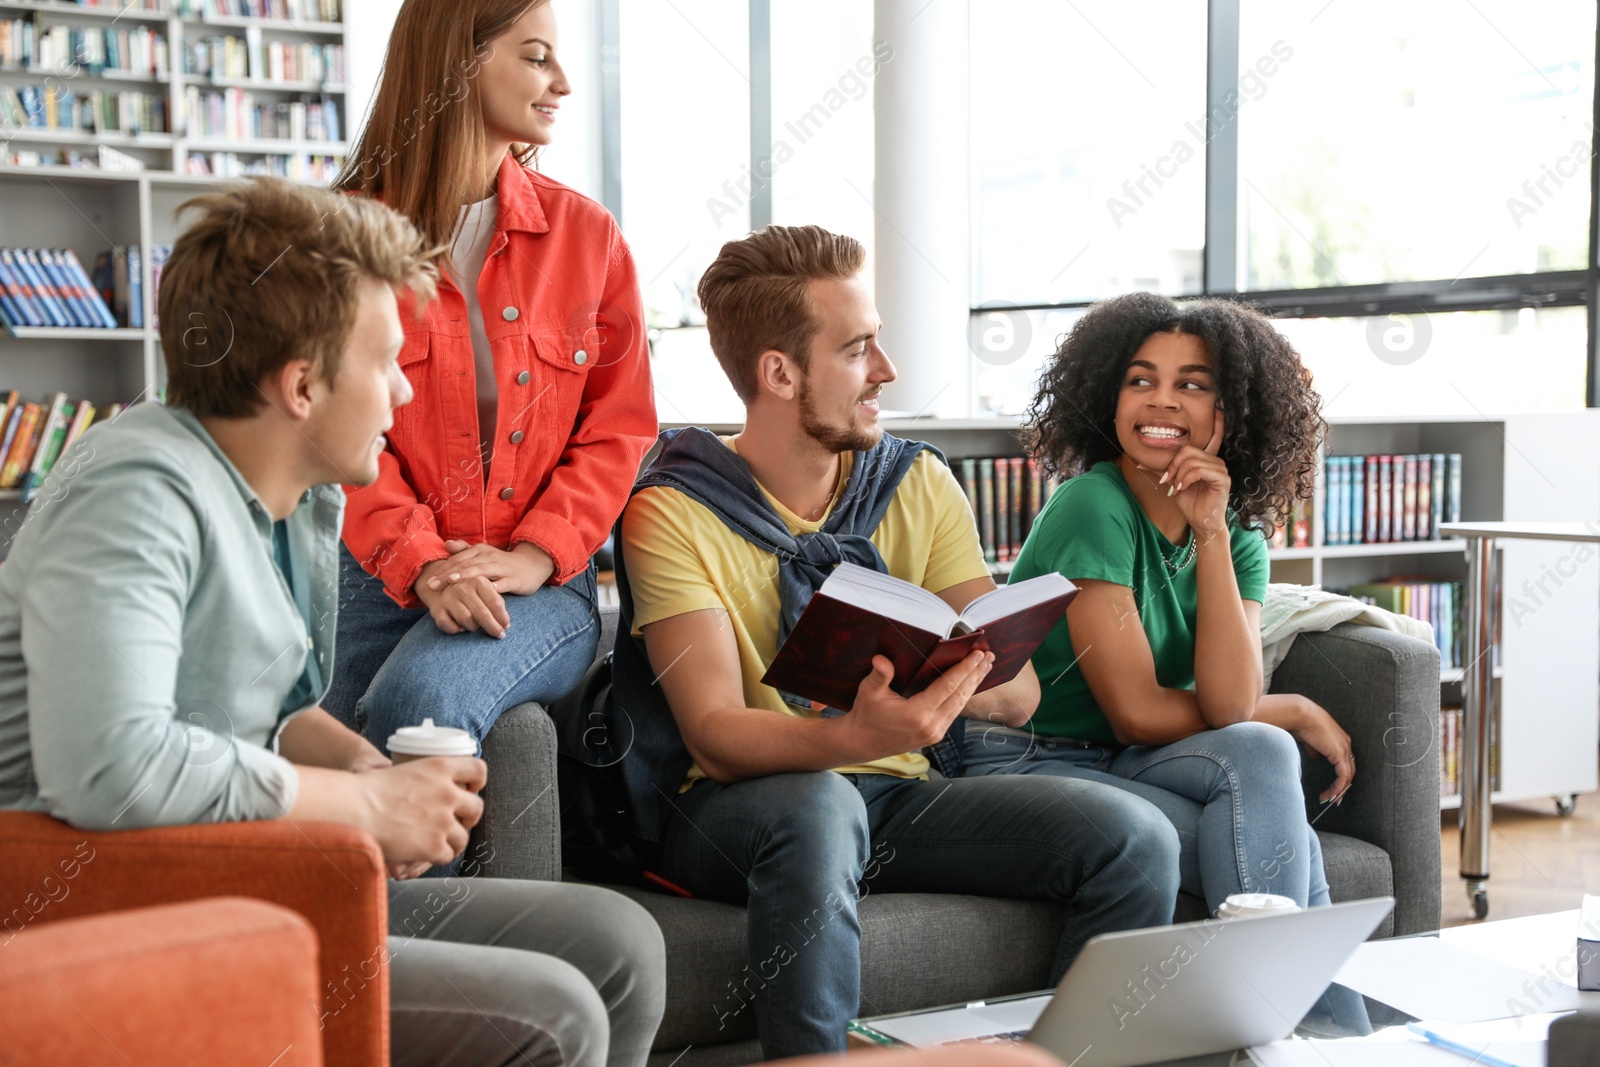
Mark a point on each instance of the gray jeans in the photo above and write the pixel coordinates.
(496, 971)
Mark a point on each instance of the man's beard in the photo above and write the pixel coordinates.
(848, 438)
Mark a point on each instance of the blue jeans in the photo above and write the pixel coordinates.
(1233, 795)
(393, 666)
(801, 848)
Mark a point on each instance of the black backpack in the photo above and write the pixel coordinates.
(597, 827)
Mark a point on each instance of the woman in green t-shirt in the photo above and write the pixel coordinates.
(1183, 428)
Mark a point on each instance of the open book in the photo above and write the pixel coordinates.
(859, 613)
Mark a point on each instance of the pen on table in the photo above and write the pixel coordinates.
(1476, 1055)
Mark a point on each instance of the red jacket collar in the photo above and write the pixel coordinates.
(519, 207)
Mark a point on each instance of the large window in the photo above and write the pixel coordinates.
(1088, 151)
(685, 115)
(1404, 184)
(1393, 141)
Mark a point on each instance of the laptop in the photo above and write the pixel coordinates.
(1190, 989)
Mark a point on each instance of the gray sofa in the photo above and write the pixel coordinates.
(920, 950)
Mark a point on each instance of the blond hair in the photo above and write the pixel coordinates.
(268, 271)
(755, 295)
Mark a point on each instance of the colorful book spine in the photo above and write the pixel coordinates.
(13, 420)
(35, 288)
(1371, 509)
(1036, 497)
(1425, 498)
(969, 484)
(51, 444)
(1358, 499)
(1410, 498)
(986, 508)
(1397, 510)
(1436, 496)
(15, 301)
(97, 307)
(1018, 506)
(1453, 487)
(1002, 510)
(21, 446)
(1385, 497)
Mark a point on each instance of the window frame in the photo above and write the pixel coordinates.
(1567, 288)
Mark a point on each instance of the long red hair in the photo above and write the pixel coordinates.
(421, 150)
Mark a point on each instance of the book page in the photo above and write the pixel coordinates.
(1010, 599)
(891, 597)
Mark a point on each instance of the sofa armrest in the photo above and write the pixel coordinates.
(519, 835)
(331, 873)
(1575, 1040)
(214, 981)
(1382, 688)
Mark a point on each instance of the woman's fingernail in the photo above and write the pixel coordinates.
(456, 577)
(1163, 479)
(1169, 490)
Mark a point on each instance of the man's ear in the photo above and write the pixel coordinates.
(294, 389)
(777, 374)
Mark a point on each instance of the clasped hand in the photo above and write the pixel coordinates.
(466, 591)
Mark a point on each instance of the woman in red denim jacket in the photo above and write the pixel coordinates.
(467, 581)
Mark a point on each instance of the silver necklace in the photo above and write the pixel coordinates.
(1185, 559)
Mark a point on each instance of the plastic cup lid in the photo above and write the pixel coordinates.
(1255, 903)
(430, 740)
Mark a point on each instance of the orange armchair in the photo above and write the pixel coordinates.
(214, 981)
(330, 873)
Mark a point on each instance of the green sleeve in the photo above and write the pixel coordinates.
(1087, 530)
(1250, 565)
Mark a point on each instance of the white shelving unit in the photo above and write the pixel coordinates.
(90, 210)
(171, 151)
(1522, 467)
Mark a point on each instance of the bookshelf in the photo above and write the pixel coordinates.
(221, 80)
(60, 190)
(1524, 467)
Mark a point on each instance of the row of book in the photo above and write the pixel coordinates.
(1006, 493)
(1390, 498)
(249, 57)
(1441, 605)
(49, 287)
(35, 435)
(95, 157)
(1296, 533)
(118, 277)
(296, 166)
(298, 10)
(53, 106)
(119, 6)
(64, 50)
(1452, 750)
(234, 114)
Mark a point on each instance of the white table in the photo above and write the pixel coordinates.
(1478, 680)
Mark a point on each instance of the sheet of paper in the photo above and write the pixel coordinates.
(959, 1024)
(1373, 1052)
(1432, 979)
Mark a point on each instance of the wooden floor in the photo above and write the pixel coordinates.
(1538, 861)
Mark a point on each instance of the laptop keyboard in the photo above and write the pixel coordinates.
(1012, 1038)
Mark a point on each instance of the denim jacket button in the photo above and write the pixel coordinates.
(580, 357)
(523, 378)
(516, 437)
(507, 493)
(509, 314)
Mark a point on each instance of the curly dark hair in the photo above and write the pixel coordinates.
(1273, 415)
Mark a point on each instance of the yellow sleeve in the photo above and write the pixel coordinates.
(955, 555)
(666, 575)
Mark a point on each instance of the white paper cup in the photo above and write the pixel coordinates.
(1249, 905)
(420, 742)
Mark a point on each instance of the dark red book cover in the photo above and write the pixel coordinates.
(829, 652)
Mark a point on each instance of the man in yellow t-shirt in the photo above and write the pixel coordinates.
(788, 809)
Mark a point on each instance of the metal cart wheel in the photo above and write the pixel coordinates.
(1566, 805)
